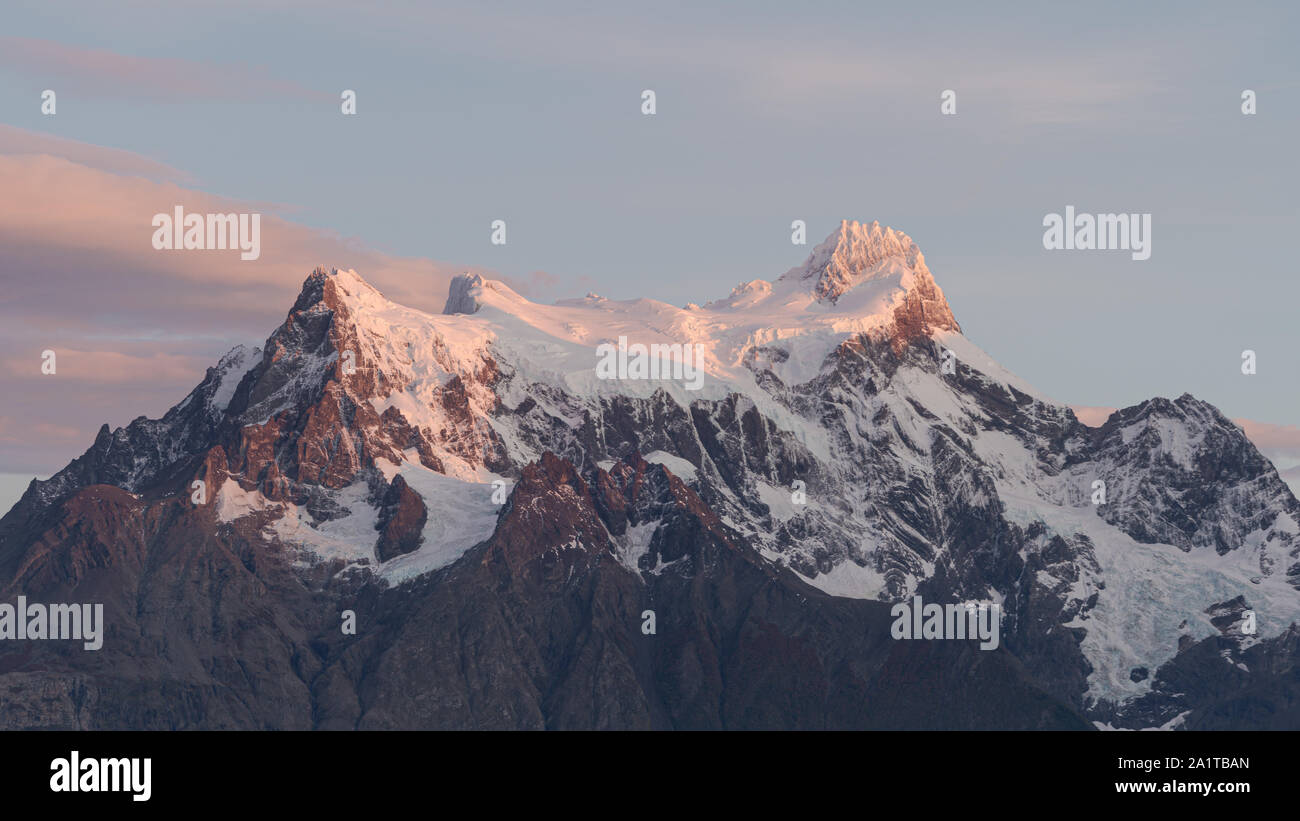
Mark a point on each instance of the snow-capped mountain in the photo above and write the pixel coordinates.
(500, 517)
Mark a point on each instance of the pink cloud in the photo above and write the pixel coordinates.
(13, 431)
(1273, 439)
(21, 141)
(106, 73)
(58, 431)
(103, 366)
(57, 213)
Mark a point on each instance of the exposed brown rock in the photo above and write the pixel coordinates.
(401, 520)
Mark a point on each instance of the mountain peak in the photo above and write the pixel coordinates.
(854, 252)
(332, 286)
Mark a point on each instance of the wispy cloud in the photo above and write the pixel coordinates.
(107, 74)
(106, 367)
(853, 66)
(60, 219)
(1273, 440)
(15, 140)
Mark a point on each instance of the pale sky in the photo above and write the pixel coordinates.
(766, 113)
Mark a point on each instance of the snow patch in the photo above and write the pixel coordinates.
(676, 465)
(461, 514)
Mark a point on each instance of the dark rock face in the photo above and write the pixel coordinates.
(554, 620)
(402, 515)
(1220, 683)
(557, 623)
(1222, 488)
(204, 627)
(915, 480)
